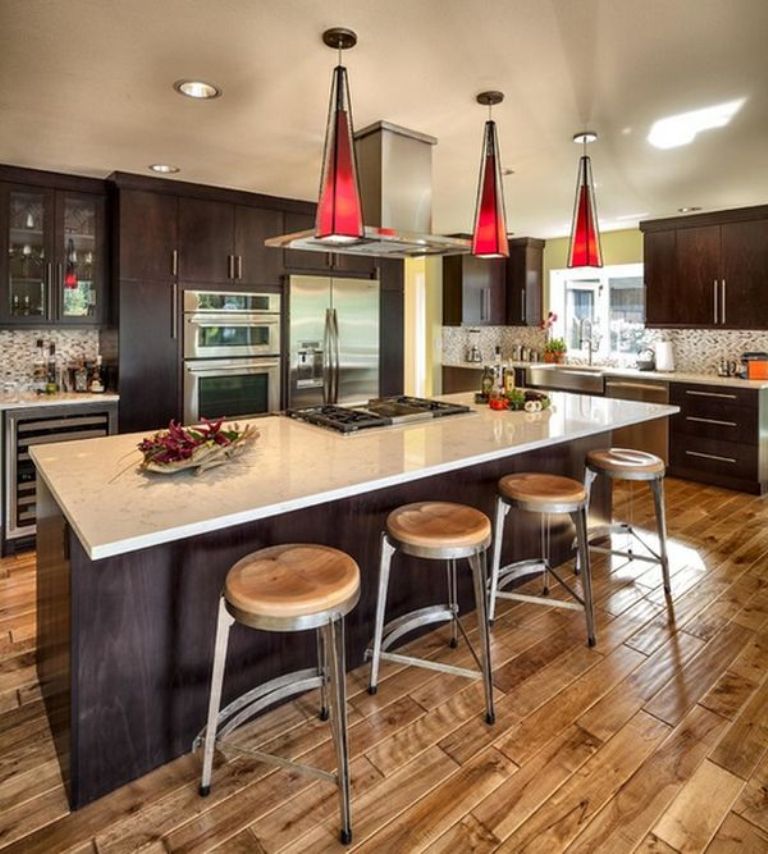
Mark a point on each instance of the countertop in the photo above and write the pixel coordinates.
(634, 373)
(115, 508)
(27, 400)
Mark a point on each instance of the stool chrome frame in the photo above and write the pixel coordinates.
(385, 636)
(655, 481)
(328, 676)
(502, 576)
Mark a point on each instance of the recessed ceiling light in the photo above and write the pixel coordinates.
(691, 209)
(683, 128)
(197, 89)
(164, 168)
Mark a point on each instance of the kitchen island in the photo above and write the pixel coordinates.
(130, 564)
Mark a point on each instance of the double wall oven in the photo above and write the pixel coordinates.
(231, 354)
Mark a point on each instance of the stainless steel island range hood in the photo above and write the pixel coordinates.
(395, 169)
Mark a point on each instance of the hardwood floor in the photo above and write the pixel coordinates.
(655, 740)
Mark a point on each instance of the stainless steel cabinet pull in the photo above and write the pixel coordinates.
(710, 457)
(711, 421)
(175, 262)
(49, 288)
(174, 311)
(522, 305)
(239, 266)
(722, 302)
(715, 298)
(636, 386)
(712, 394)
(230, 267)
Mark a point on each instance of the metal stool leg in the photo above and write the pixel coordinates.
(453, 601)
(589, 479)
(334, 645)
(478, 564)
(502, 508)
(544, 524)
(580, 519)
(322, 671)
(387, 550)
(223, 626)
(657, 488)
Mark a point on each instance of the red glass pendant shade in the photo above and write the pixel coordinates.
(339, 209)
(489, 238)
(584, 249)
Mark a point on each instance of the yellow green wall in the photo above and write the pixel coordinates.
(619, 247)
(423, 324)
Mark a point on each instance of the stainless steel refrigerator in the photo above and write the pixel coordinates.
(334, 340)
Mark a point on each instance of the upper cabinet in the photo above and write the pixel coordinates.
(495, 291)
(708, 271)
(147, 235)
(524, 281)
(53, 261)
(474, 291)
(206, 241)
(255, 263)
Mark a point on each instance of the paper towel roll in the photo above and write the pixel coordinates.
(665, 356)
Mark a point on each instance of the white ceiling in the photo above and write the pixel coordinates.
(85, 87)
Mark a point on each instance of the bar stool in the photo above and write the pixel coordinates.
(435, 530)
(628, 464)
(288, 588)
(544, 494)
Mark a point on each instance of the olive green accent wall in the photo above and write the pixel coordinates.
(619, 247)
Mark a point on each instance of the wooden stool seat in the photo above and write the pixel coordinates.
(440, 525)
(625, 461)
(542, 490)
(290, 581)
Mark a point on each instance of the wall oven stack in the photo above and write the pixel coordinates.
(231, 354)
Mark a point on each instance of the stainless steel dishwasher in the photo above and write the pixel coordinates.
(651, 436)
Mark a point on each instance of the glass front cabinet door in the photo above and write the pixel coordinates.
(29, 269)
(80, 262)
(55, 265)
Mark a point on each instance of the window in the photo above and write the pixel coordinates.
(612, 299)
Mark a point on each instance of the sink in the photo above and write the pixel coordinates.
(585, 379)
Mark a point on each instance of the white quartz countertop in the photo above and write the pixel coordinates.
(27, 400)
(116, 508)
(634, 373)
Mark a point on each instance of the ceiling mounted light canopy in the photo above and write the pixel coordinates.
(339, 208)
(489, 236)
(199, 89)
(584, 248)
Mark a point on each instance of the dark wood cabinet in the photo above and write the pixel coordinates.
(206, 241)
(295, 259)
(53, 257)
(255, 263)
(524, 273)
(718, 437)
(391, 273)
(149, 348)
(147, 235)
(744, 270)
(474, 291)
(708, 271)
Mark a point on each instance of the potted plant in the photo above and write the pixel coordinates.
(554, 350)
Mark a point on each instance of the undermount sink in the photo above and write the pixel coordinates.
(586, 379)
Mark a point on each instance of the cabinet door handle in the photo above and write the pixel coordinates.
(715, 299)
(522, 305)
(711, 421)
(239, 266)
(230, 274)
(711, 394)
(49, 288)
(54, 308)
(711, 457)
(722, 303)
(174, 311)
(175, 262)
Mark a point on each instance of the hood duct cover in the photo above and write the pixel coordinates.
(395, 171)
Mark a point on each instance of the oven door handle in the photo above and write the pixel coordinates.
(253, 367)
(234, 320)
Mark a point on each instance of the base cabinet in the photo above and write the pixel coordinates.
(719, 435)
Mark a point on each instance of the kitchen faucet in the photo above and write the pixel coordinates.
(586, 334)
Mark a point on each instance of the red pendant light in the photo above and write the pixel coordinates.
(584, 249)
(339, 208)
(489, 237)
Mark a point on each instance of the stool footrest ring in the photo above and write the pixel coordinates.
(400, 626)
(251, 703)
(520, 569)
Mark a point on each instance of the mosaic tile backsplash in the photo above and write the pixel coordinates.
(696, 350)
(18, 350)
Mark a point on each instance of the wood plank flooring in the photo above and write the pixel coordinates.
(655, 740)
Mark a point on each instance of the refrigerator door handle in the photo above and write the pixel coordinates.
(327, 360)
(336, 358)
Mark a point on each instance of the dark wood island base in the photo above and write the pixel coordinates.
(126, 643)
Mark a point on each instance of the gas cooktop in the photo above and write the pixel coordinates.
(380, 412)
